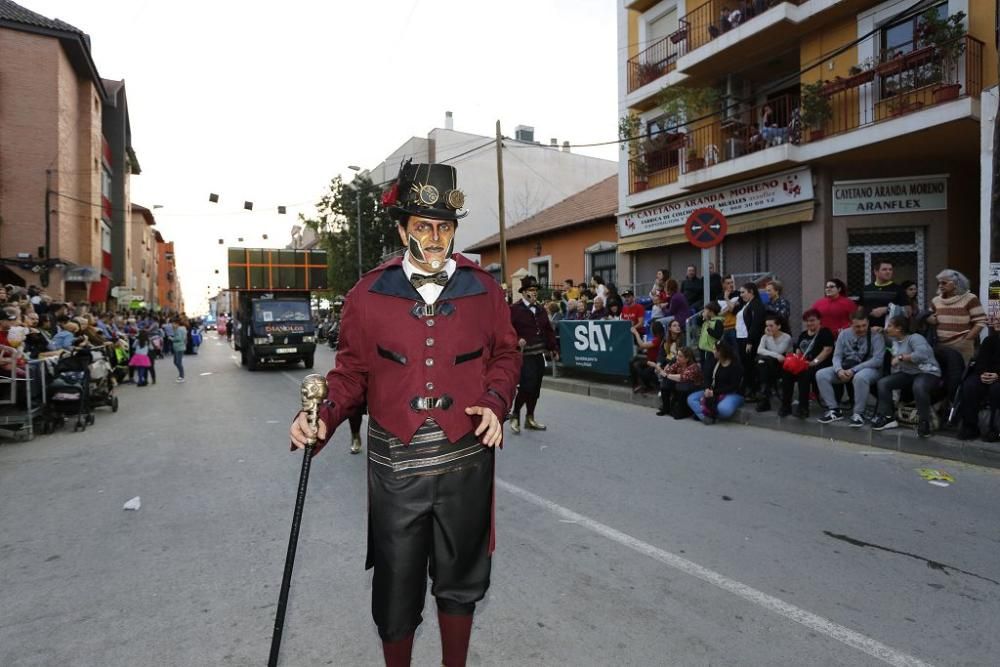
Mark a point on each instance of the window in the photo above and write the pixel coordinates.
(106, 183)
(604, 264)
(662, 26)
(542, 272)
(900, 38)
(663, 143)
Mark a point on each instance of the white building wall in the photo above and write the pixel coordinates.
(535, 177)
(990, 102)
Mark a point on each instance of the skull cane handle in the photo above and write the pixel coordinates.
(313, 392)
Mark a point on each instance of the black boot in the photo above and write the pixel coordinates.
(664, 404)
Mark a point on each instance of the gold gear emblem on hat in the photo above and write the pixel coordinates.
(455, 199)
(428, 195)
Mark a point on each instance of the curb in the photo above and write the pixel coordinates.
(973, 452)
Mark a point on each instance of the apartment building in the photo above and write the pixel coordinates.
(141, 257)
(831, 133)
(168, 287)
(65, 160)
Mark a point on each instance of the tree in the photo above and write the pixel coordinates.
(336, 225)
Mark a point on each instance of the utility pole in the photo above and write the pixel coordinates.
(500, 208)
(48, 228)
(357, 198)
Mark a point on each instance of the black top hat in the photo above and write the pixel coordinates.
(528, 282)
(427, 190)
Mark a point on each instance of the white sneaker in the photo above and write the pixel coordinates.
(857, 421)
(179, 380)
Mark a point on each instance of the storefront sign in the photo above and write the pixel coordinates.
(756, 195)
(603, 346)
(897, 195)
(82, 274)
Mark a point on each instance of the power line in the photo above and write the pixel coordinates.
(910, 12)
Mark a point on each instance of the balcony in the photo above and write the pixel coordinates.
(908, 80)
(656, 61)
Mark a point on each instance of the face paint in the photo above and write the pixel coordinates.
(416, 250)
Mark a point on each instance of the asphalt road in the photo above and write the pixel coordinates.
(623, 539)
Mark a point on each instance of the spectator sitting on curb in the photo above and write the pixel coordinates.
(771, 351)
(721, 397)
(913, 367)
(677, 382)
(983, 382)
(857, 361)
(814, 350)
(958, 314)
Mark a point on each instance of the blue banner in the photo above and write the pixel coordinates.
(602, 346)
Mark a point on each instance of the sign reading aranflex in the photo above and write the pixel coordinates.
(759, 194)
(896, 195)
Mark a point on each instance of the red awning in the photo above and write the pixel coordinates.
(99, 290)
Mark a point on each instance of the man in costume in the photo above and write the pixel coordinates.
(535, 337)
(427, 340)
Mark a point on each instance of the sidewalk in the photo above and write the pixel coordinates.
(903, 439)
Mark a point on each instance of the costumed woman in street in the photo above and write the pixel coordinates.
(535, 337)
(426, 340)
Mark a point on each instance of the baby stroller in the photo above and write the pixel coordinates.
(102, 383)
(69, 392)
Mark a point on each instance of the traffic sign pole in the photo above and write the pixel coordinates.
(705, 283)
(706, 228)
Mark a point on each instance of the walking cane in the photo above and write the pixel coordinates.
(313, 393)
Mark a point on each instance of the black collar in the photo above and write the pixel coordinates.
(393, 282)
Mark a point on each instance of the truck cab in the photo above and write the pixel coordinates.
(274, 327)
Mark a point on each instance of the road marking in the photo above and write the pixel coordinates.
(769, 602)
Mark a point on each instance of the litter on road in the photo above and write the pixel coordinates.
(133, 504)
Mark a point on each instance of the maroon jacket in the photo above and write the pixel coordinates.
(389, 353)
(535, 329)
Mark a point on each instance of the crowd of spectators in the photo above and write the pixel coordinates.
(35, 326)
(876, 359)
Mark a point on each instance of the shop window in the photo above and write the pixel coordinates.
(903, 247)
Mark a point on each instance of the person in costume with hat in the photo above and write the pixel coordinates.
(535, 337)
(426, 340)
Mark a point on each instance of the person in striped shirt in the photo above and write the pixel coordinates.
(957, 314)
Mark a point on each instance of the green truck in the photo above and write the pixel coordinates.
(270, 294)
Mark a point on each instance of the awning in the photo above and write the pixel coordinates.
(99, 290)
(738, 224)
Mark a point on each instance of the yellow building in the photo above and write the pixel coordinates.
(830, 133)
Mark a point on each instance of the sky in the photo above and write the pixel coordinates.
(268, 101)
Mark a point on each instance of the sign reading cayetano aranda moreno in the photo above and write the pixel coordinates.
(756, 195)
(894, 195)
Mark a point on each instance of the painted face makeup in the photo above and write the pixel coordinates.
(430, 242)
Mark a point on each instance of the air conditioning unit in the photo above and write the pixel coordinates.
(735, 102)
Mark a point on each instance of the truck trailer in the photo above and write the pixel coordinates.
(270, 293)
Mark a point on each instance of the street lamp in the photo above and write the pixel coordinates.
(357, 199)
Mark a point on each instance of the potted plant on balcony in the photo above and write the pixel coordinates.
(689, 103)
(630, 137)
(693, 161)
(649, 72)
(947, 38)
(680, 34)
(815, 110)
(861, 73)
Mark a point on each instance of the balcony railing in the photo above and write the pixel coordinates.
(656, 61)
(716, 17)
(901, 82)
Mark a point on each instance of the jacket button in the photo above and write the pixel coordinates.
(430, 323)
(430, 342)
(428, 362)
(429, 386)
